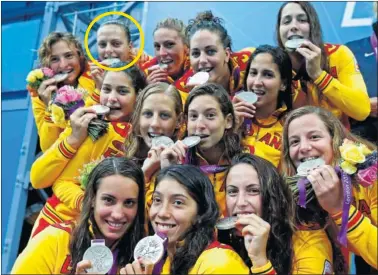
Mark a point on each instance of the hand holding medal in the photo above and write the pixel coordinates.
(244, 107)
(99, 256)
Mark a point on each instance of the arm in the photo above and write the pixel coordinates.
(361, 235)
(348, 93)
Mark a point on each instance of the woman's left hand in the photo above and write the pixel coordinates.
(258, 230)
(139, 266)
(328, 189)
(313, 56)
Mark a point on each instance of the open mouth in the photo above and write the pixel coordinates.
(308, 158)
(154, 135)
(259, 92)
(166, 62)
(66, 71)
(242, 214)
(115, 225)
(202, 136)
(205, 69)
(295, 36)
(164, 227)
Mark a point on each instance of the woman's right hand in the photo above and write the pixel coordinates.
(173, 155)
(79, 123)
(46, 88)
(242, 110)
(97, 74)
(156, 74)
(152, 163)
(139, 266)
(82, 266)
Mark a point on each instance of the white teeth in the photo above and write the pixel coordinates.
(243, 214)
(117, 225)
(166, 61)
(154, 135)
(259, 92)
(307, 159)
(205, 69)
(165, 226)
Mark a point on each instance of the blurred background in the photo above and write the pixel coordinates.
(25, 24)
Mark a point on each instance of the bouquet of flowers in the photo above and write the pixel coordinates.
(36, 77)
(65, 101)
(87, 169)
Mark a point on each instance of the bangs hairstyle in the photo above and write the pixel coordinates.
(230, 139)
(334, 126)
(316, 34)
(134, 140)
(201, 234)
(283, 62)
(277, 210)
(81, 236)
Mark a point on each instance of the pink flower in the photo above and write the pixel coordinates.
(367, 176)
(67, 94)
(48, 72)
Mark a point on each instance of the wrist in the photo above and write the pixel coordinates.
(74, 142)
(259, 261)
(316, 75)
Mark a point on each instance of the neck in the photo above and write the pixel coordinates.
(265, 112)
(296, 61)
(213, 154)
(171, 250)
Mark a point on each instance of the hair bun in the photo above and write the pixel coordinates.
(208, 16)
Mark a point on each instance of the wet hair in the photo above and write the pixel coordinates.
(81, 236)
(230, 139)
(138, 78)
(201, 234)
(173, 24)
(282, 60)
(45, 50)
(316, 34)
(207, 21)
(277, 210)
(122, 24)
(134, 140)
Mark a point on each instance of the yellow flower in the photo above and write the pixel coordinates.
(348, 167)
(351, 153)
(31, 78)
(39, 74)
(364, 150)
(57, 115)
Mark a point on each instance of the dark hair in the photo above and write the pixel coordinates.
(173, 24)
(230, 139)
(277, 210)
(138, 78)
(207, 21)
(122, 24)
(316, 35)
(134, 141)
(201, 234)
(81, 236)
(282, 60)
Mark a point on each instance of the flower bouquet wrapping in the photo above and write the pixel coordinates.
(86, 170)
(66, 101)
(36, 77)
(357, 162)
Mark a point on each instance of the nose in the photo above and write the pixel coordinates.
(112, 97)
(63, 63)
(155, 122)
(202, 58)
(117, 211)
(200, 123)
(293, 25)
(258, 81)
(241, 201)
(305, 146)
(164, 211)
(162, 51)
(108, 49)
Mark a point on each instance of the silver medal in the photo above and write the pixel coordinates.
(249, 97)
(162, 141)
(60, 77)
(293, 44)
(100, 109)
(226, 223)
(198, 79)
(111, 61)
(163, 66)
(305, 167)
(191, 141)
(100, 257)
(150, 248)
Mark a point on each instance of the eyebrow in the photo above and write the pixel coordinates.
(173, 195)
(249, 185)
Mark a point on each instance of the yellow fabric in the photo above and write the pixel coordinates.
(216, 260)
(47, 253)
(266, 142)
(365, 200)
(343, 91)
(66, 201)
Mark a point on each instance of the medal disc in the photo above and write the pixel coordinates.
(163, 66)
(293, 44)
(100, 257)
(307, 166)
(199, 78)
(60, 77)
(250, 97)
(162, 141)
(226, 223)
(150, 248)
(101, 109)
(110, 61)
(191, 141)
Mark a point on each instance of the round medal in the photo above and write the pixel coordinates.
(226, 223)
(101, 109)
(250, 97)
(101, 259)
(293, 44)
(307, 166)
(163, 66)
(191, 141)
(60, 77)
(198, 79)
(150, 248)
(162, 141)
(110, 61)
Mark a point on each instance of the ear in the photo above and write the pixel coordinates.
(228, 54)
(228, 121)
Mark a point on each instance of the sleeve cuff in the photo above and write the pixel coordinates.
(95, 95)
(79, 202)
(265, 269)
(66, 150)
(323, 80)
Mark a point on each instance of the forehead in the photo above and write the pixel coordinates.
(265, 59)
(62, 46)
(111, 30)
(242, 174)
(159, 101)
(118, 186)
(204, 101)
(292, 9)
(164, 34)
(117, 78)
(171, 187)
(306, 123)
(205, 38)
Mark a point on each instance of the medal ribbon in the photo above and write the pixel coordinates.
(213, 169)
(114, 268)
(159, 265)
